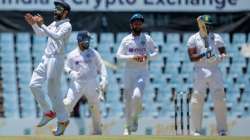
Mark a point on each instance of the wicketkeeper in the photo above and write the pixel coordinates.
(83, 65)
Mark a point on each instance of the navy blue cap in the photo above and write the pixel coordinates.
(83, 36)
(64, 4)
(207, 19)
(136, 17)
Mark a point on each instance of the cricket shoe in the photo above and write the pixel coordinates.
(48, 116)
(127, 131)
(61, 126)
(196, 134)
(135, 124)
(222, 133)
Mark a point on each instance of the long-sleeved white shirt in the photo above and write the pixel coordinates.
(88, 63)
(58, 33)
(137, 45)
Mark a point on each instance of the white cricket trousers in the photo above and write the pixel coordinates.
(88, 89)
(215, 84)
(49, 69)
(134, 85)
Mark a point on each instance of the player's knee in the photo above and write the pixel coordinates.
(34, 86)
(219, 95)
(137, 95)
(197, 98)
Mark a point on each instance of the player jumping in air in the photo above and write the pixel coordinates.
(136, 49)
(51, 67)
(83, 65)
(207, 50)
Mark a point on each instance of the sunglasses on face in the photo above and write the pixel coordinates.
(208, 26)
(59, 8)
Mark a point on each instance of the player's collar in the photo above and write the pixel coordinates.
(133, 37)
(82, 52)
(142, 38)
(62, 21)
(210, 35)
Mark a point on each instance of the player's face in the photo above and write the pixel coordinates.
(58, 12)
(83, 45)
(136, 27)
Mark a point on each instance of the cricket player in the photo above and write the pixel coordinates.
(51, 67)
(136, 49)
(83, 65)
(207, 50)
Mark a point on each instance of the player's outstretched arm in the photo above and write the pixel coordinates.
(101, 69)
(153, 50)
(68, 69)
(57, 35)
(121, 55)
(122, 52)
(194, 56)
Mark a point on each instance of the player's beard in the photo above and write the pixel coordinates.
(58, 15)
(83, 47)
(136, 31)
(209, 28)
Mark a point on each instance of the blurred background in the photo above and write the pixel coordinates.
(169, 22)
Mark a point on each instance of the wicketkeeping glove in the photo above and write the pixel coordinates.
(103, 85)
(101, 95)
(101, 89)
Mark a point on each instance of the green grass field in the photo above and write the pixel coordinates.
(120, 138)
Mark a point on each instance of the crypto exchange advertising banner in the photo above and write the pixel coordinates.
(132, 5)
